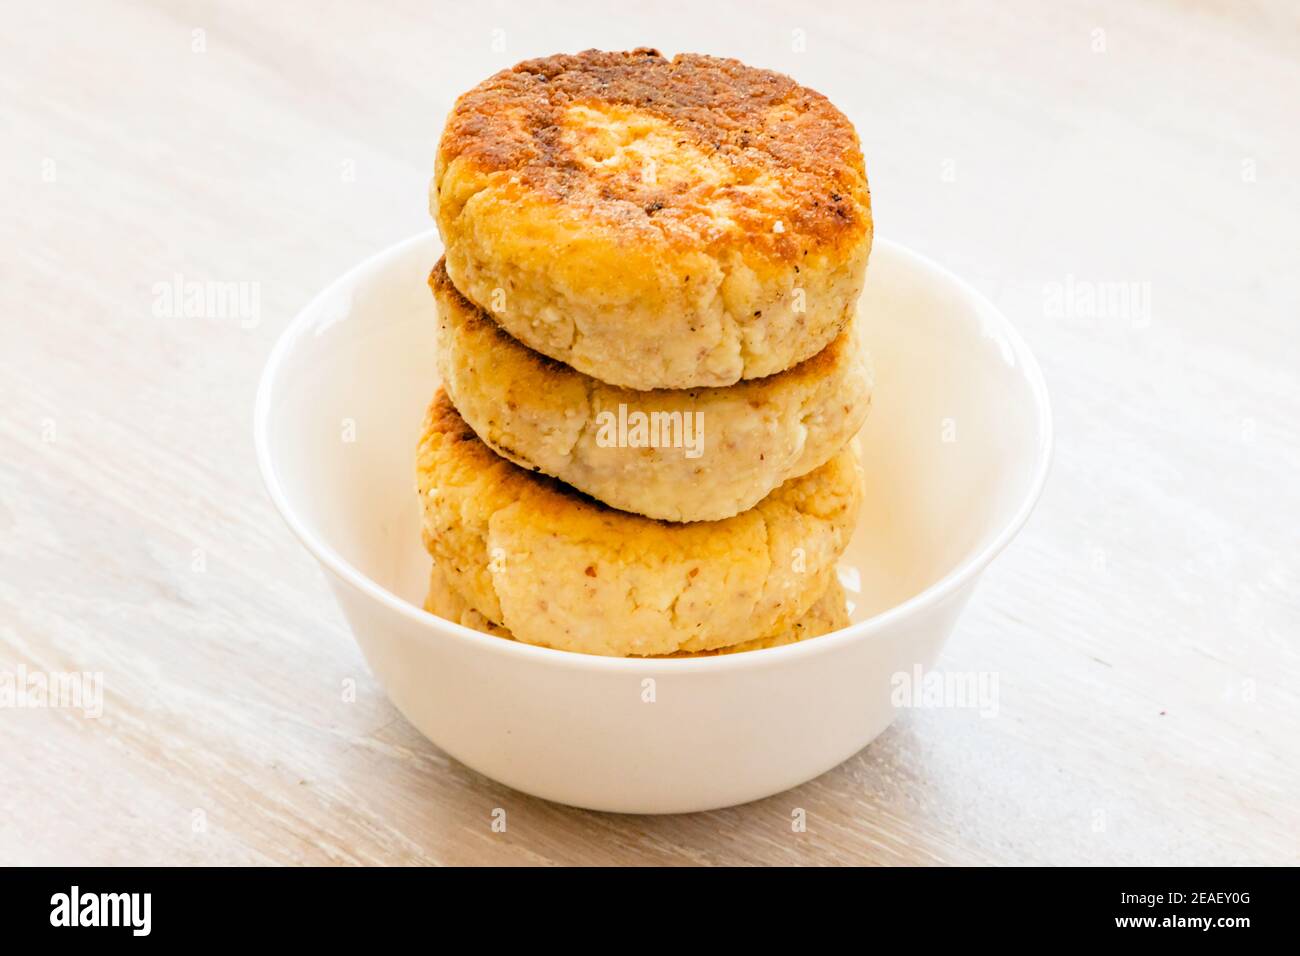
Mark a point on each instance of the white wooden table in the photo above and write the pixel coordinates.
(1144, 625)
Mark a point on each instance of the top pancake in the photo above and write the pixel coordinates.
(655, 223)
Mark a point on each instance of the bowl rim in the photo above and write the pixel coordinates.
(966, 571)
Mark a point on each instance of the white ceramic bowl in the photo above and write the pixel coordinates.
(956, 451)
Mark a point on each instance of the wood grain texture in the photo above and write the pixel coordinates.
(1143, 627)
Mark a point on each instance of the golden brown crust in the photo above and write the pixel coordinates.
(752, 126)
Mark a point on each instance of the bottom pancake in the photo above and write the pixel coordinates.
(562, 570)
(827, 615)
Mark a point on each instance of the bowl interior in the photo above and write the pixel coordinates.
(953, 448)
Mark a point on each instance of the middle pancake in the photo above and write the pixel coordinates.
(699, 454)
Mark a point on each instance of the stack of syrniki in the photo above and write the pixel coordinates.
(650, 372)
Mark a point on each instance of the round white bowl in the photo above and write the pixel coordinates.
(956, 451)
